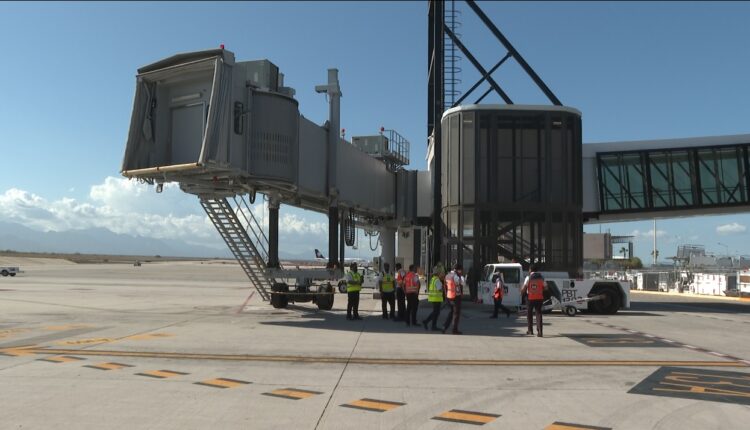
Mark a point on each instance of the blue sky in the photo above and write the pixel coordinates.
(636, 70)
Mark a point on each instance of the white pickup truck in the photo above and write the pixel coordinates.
(369, 279)
(9, 271)
(596, 295)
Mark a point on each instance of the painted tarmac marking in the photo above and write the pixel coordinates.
(466, 417)
(615, 340)
(161, 374)
(222, 383)
(378, 361)
(66, 327)
(11, 331)
(18, 351)
(108, 366)
(148, 336)
(292, 393)
(697, 384)
(85, 341)
(373, 405)
(557, 425)
(61, 359)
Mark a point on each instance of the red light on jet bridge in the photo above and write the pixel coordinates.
(221, 46)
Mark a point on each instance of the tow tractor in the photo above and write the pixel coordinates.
(9, 271)
(564, 293)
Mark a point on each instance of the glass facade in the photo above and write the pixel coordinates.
(675, 178)
(512, 188)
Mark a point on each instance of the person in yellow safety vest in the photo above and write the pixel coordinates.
(411, 288)
(435, 296)
(534, 286)
(353, 286)
(454, 290)
(386, 285)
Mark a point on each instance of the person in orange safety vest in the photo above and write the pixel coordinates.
(498, 294)
(454, 290)
(411, 288)
(534, 287)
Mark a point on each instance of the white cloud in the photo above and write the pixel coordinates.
(128, 207)
(730, 228)
(648, 234)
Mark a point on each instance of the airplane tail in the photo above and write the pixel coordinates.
(318, 254)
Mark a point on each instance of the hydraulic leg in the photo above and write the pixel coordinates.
(273, 234)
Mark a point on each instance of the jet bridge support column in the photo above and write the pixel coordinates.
(333, 235)
(388, 246)
(273, 234)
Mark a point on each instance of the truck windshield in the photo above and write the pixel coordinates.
(510, 275)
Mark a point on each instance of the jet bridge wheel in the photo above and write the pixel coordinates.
(4, 273)
(279, 300)
(324, 298)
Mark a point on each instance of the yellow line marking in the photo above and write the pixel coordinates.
(383, 361)
(292, 393)
(567, 426)
(11, 331)
(161, 374)
(66, 327)
(148, 336)
(372, 404)
(61, 359)
(85, 341)
(466, 417)
(223, 383)
(108, 366)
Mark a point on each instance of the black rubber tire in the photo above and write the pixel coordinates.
(570, 311)
(609, 304)
(4, 273)
(325, 300)
(342, 287)
(12, 274)
(279, 301)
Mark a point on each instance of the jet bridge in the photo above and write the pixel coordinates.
(626, 181)
(225, 129)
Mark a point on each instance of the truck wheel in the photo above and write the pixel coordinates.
(279, 300)
(4, 273)
(570, 311)
(342, 287)
(609, 303)
(12, 274)
(325, 300)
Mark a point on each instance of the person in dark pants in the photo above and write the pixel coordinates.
(497, 295)
(454, 282)
(411, 289)
(386, 284)
(353, 286)
(534, 287)
(435, 297)
(400, 295)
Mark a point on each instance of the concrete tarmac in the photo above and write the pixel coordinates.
(186, 345)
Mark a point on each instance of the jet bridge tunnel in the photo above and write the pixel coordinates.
(626, 181)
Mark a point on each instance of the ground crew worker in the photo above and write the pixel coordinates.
(400, 295)
(534, 286)
(435, 296)
(387, 295)
(353, 286)
(497, 295)
(411, 290)
(453, 291)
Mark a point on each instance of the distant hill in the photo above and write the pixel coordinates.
(17, 237)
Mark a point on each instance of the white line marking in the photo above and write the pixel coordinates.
(690, 346)
(667, 340)
(718, 354)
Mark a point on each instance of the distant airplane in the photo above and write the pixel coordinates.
(320, 256)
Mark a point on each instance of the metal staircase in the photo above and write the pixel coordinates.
(245, 238)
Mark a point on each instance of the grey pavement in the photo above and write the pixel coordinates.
(195, 319)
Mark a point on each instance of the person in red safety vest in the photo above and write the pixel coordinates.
(498, 294)
(411, 288)
(454, 289)
(534, 287)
